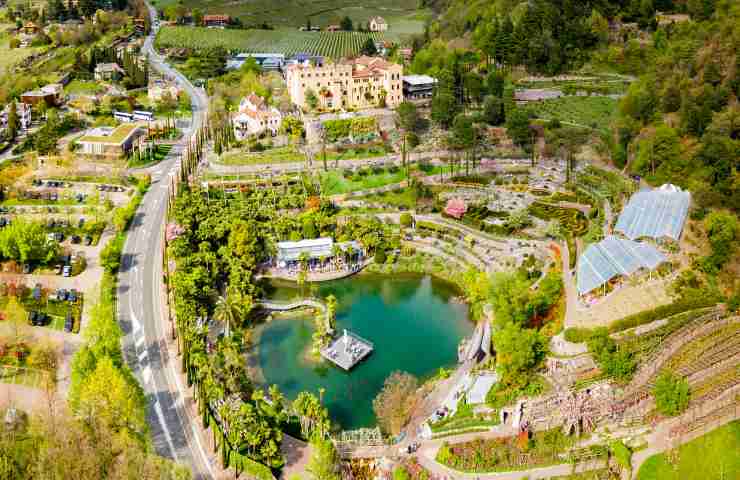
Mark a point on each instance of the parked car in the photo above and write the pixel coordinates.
(61, 295)
(36, 292)
(58, 268)
(26, 268)
(88, 240)
(81, 222)
(67, 271)
(75, 239)
(68, 322)
(72, 296)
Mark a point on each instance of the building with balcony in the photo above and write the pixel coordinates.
(364, 82)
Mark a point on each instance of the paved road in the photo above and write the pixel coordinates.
(140, 304)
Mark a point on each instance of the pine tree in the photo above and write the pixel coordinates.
(87, 7)
(13, 122)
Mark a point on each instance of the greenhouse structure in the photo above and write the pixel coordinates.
(613, 257)
(659, 214)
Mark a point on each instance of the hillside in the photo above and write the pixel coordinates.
(402, 15)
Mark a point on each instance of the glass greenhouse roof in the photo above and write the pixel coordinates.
(611, 257)
(655, 213)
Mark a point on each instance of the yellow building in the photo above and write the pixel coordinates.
(359, 83)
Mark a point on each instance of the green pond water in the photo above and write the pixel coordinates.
(411, 319)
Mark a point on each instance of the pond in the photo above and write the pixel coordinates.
(412, 320)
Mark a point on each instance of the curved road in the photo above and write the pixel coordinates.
(141, 303)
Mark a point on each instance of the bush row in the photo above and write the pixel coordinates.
(579, 334)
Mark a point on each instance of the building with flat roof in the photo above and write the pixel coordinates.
(23, 111)
(51, 94)
(110, 142)
(416, 87)
(268, 61)
(219, 21)
(312, 249)
(359, 83)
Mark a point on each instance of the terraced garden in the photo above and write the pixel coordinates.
(573, 221)
(327, 44)
(593, 112)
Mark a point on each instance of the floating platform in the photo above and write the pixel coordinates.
(347, 350)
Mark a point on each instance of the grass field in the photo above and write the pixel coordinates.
(713, 456)
(334, 183)
(594, 112)
(82, 87)
(271, 156)
(327, 44)
(11, 56)
(294, 13)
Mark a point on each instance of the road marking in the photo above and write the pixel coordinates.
(143, 355)
(163, 422)
(135, 325)
(140, 341)
(146, 375)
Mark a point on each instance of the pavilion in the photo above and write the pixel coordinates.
(658, 214)
(314, 249)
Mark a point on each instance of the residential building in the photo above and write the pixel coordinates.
(377, 24)
(357, 83)
(156, 92)
(51, 94)
(216, 21)
(30, 28)
(109, 142)
(23, 111)
(255, 117)
(417, 87)
(333, 28)
(406, 53)
(108, 72)
(535, 95)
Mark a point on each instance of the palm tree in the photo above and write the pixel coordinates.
(336, 251)
(229, 310)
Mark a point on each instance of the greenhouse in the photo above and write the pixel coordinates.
(613, 257)
(658, 214)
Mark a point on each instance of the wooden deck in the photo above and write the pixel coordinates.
(347, 350)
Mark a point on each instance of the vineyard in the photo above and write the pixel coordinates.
(289, 43)
(595, 112)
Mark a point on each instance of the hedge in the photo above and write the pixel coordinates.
(579, 335)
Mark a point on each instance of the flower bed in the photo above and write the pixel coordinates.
(524, 451)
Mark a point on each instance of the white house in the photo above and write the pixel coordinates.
(255, 117)
(378, 24)
(24, 116)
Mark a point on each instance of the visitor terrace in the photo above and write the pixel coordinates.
(347, 350)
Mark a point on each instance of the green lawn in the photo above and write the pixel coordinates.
(83, 87)
(11, 56)
(334, 183)
(271, 156)
(594, 112)
(715, 455)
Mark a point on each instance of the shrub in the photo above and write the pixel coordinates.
(671, 394)
(577, 334)
(663, 311)
(406, 219)
(380, 256)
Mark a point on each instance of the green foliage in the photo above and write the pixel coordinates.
(671, 394)
(407, 116)
(518, 352)
(349, 127)
(622, 454)
(406, 220)
(325, 461)
(613, 360)
(723, 231)
(395, 402)
(517, 126)
(493, 110)
(514, 302)
(400, 473)
(25, 242)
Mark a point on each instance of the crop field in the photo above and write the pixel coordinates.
(595, 112)
(327, 44)
(295, 13)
